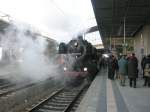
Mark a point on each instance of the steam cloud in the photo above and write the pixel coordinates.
(29, 53)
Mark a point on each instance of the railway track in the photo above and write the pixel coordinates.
(4, 84)
(5, 92)
(13, 88)
(63, 100)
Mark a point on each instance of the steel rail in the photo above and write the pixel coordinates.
(11, 90)
(44, 101)
(70, 106)
(58, 101)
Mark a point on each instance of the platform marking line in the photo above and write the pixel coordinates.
(111, 102)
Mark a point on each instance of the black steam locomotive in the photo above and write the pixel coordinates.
(78, 60)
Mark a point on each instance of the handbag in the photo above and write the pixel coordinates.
(147, 72)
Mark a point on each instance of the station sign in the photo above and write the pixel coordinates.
(124, 44)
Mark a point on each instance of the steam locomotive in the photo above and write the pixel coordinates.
(78, 60)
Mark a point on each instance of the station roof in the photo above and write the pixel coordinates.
(110, 16)
(92, 29)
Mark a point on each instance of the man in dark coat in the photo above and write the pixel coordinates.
(112, 67)
(143, 64)
(132, 69)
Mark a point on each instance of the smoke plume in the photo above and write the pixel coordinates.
(26, 51)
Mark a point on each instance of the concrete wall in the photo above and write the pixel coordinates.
(142, 41)
(142, 44)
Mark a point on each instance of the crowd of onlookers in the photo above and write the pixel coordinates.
(127, 66)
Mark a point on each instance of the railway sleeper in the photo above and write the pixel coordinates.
(53, 107)
(54, 104)
(63, 98)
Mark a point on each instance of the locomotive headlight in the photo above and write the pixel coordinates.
(85, 69)
(65, 68)
(75, 44)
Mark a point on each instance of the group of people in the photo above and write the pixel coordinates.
(126, 66)
(130, 66)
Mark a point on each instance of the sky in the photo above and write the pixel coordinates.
(93, 38)
(58, 19)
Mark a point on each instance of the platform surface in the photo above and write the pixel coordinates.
(105, 95)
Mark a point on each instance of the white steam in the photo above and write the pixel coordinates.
(27, 51)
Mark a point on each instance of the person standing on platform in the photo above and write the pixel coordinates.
(147, 71)
(112, 66)
(122, 63)
(132, 69)
(143, 65)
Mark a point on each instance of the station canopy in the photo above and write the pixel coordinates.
(110, 16)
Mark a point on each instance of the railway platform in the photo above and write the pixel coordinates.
(105, 95)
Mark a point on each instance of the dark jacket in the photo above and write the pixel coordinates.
(147, 61)
(113, 64)
(132, 67)
(143, 62)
